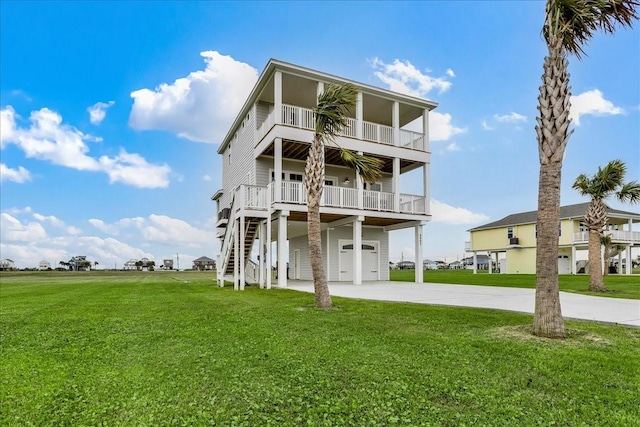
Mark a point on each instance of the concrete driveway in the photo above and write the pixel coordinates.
(574, 306)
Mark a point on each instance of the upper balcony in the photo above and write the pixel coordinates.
(294, 193)
(617, 237)
(304, 118)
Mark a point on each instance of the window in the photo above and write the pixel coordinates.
(229, 153)
(376, 186)
(295, 177)
(509, 232)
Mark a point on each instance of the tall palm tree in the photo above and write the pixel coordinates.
(568, 25)
(331, 113)
(606, 182)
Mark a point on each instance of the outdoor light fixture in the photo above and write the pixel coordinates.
(346, 181)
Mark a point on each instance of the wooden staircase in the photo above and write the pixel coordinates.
(250, 231)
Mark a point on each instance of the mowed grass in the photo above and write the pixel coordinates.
(620, 286)
(171, 349)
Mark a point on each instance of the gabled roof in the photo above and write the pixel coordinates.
(566, 212)
(203, 259)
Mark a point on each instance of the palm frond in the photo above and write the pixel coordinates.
(334, 106)
(629, 192)
(582, 184)
(369, 168)
(573, 22)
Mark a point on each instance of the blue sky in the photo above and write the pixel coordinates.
(112, 112)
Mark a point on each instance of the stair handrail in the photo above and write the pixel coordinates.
(225, 249)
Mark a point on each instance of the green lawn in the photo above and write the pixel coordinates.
(171, 349)
(620, 286)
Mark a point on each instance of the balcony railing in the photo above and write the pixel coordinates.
(254, 197)
(304, 118)
(617, 236)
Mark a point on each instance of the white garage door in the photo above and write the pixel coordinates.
(370, 260)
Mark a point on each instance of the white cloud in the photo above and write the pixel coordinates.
(450, 72)
(98, 111)
(510, 118)
(164, 229)
(20, 175)
(441, 128)
(51, 219)
(14, 230)
(199, 107)
(404, 77)
(102, 226)
(486, 126)
(206, 178)
(593, 103)
(50, 140)
(444, 213)
(453, 147)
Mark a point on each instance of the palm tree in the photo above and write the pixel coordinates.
(334, 104)
(568, 25)
(606, 182)
(605, 242)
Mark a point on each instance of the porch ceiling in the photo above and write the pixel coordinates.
(324, 218)
(299, 151)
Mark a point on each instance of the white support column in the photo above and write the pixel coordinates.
(277, 96)
(490, 255)
(357, 250)
(328, 255)
(241, 253)
(427, 194)
(319, 89)
(425, 129)
(395, 122)
(283, 256)
(574, 267)
(475, 262)
(261, 262)
(619, 262)
(395, 183)
(418, 251)
(360, 187)
(277, 169)
(629, 266)
(236, 258)
(267, 255)
(359, 117)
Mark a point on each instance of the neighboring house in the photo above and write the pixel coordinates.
(44, 265)
(514, 238)
(79, 263)
(406, 265)
(7, 264)
(263, 197)
(482, 262)
(428, 264)
(455, 265)
(131, 264)
(167, 264)
(204, 263)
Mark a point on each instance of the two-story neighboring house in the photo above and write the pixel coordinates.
(263, 197)
(515, 237)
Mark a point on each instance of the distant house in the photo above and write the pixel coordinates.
(427, 264)
(406, 265)
(131, 264)
(482, 262)
(512, 239)
(7, 264)
(79, 263)
(167, 264)
(44, 265)
(204, 263)
(455, 265)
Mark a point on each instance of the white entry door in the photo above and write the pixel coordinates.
(370, 260)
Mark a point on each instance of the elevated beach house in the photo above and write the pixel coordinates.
(513, 239)
(263, 199)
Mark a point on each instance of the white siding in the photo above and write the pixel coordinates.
(242, 166)
(368, 233)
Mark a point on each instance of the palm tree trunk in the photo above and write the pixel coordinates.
(314, 180)
(548, 321)
(596, 282)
